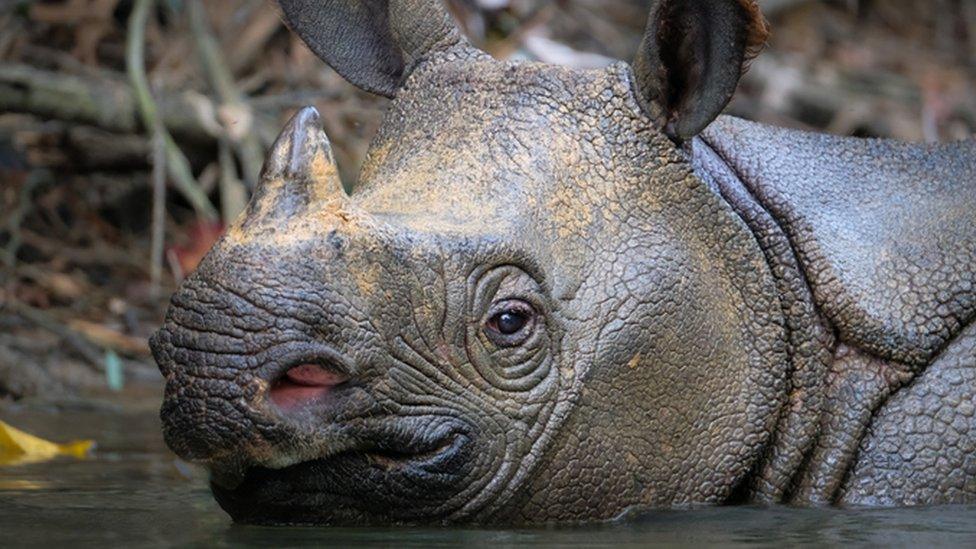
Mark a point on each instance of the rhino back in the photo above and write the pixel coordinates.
(885, 231)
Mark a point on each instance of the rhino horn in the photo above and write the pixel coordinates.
(300, 170)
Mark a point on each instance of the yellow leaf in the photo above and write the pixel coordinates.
(18, 447)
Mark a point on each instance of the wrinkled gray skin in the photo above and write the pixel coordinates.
(735, 313)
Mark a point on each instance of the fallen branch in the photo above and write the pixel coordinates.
(99, 254)
(108, 338)
(107, 103)
(73, 148)
(91, 353)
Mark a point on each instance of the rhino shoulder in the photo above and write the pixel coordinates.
(885, 231)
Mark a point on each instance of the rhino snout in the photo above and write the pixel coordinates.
(278, 407)
(231, 410)
(239, 390)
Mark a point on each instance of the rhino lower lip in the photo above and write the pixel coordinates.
(386, 453)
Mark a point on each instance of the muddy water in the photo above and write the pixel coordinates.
(133, 493)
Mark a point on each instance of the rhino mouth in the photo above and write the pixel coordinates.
(404, 472)
(305, 374)
(307, 384)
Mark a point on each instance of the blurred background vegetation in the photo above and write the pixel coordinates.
(131, 131)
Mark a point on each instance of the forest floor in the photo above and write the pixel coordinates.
(100, 219)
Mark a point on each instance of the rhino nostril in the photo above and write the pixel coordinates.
(305, 384)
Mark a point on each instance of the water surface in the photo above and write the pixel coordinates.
(134, 493)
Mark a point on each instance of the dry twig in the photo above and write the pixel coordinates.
(158, 211)
(177, 164)
(245, 139)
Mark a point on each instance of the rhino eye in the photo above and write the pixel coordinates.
(510, 323)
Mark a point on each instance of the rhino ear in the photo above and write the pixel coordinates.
(691, 58)
(370, 42)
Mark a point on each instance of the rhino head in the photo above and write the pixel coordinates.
(529, 309)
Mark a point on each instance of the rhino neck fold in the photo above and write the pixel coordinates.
(838, 386)
(809, 340)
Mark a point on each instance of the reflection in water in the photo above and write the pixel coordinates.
(14, 484)
(134, 493)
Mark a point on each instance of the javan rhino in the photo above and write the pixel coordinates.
(556, 295)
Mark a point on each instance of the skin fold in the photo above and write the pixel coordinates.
(556, 295)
